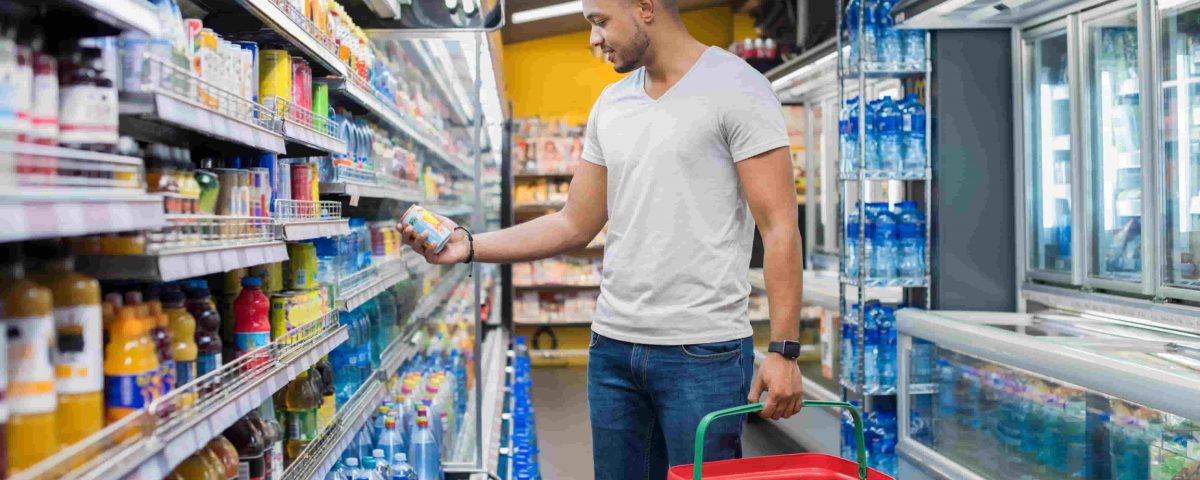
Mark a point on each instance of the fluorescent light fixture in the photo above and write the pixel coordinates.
(803, 71)
(549, 11)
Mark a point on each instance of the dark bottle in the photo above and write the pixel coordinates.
(208, 326)
(250, 443)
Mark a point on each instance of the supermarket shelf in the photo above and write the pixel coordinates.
(381, 277)
(887, 175)
(555, 354)
(428, 304)
(187, 115)
(538, 207)
(362, 190)
(180, 423)
(278, 20)
(31, 213)
(880, 71)
(495, 358)
(177, 265)
(455, 210)
(312, 142)
(536, 323)
(821, 289)
(888, 282)
(324, 451)
(123, 14)
(305, 230)
(531, 175)
(557, 288)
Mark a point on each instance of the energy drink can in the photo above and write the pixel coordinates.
(320, 106)
(275, 78)
(301, 90)
(281, 306)
(301, 191)
(301, 266)
(262, 190)
(423, 221)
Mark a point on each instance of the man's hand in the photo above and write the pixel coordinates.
(456, 250)
(780, 377)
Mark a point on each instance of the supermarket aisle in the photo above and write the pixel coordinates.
(565, 435)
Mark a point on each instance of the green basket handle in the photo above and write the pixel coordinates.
(754, 407)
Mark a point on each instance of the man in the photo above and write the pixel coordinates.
(680, 154)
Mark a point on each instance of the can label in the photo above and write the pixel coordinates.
(31, 381)
(79, 358)
(424, 222)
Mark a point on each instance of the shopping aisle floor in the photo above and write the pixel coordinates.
(565, 435)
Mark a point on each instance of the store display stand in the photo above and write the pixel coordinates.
(855, 188)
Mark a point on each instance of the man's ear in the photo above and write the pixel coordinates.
(645, 10)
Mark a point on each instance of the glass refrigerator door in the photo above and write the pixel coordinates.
(1049, 148)
(1181, 144)
(1115, 150)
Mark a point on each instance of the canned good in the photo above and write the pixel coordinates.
(275, 77)
(227, 196)
(424, 222)
(301, 192)
(281, 306)
(301, 90)
(271, 275)
(262, 190)
(320, 106)
(301, 266)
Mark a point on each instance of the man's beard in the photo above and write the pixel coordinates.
(635, 52)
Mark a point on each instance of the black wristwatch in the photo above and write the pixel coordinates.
(788, 348)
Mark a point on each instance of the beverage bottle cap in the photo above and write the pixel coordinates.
(422, 421)
(351, 462)
(377, 453)
(401, 457)
(389, 423)
(251, 281)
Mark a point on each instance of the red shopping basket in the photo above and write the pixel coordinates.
(799, 466)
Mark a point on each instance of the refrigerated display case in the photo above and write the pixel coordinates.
(1047, 396)
(1050, 163)
(1180, 72)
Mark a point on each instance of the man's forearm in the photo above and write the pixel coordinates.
(783, 272)
(540, 238)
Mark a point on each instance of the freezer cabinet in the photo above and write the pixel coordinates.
(1015, 396)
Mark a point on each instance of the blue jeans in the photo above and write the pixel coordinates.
(646, 400)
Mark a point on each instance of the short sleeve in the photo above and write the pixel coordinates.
(753, 123)
(591, 143)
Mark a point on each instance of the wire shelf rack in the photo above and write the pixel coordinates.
(287, 211)
(202, 231)
(43, 166)
(162, 77)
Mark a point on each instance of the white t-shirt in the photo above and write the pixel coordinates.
(679, 229)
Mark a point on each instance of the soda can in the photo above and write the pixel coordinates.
(301, 90)
(423, 222)
(301, 191)
(301, 271)
(227, 193)
(320, 106)
(281, 305)
(262, 190)
(250, 71)
(275, 78)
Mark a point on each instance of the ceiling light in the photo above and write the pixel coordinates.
(549, 11)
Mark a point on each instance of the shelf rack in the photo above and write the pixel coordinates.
(854, 185)
(368, 283)
(180, 264)
(151, 442)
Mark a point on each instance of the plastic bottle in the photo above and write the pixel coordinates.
(364, 351)
(182, 328)
(227, 455)
(268, 422)
(378, 420)
(79, 356)
(130, 365)
(301, 401)
(28, 315)
(887, 350)
(849, 356)
(890, 139)
(911, 235)
(871, 347)
(853, 224)
(250, 447)
(161, 339)
(198, 467)
(423, 450)
(328, 408)
(912, 130)
(208, 326)
(870, 33)
(383, 470)
(252, 328)
(890, 54)
(401, 470)
(391, 441)
(852, 32)
(883, 243)
(872, 143)
(913, 45)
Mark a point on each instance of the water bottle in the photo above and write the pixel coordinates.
(912, 241)
(870, 34)
(401, 470)
(849, 358)
(872, 134)
(887, 37)
(883, 456)
(850, 161)
(912, 130)
(853, 224)
(382, 469)
(922, 361)
(844, 137)
(890, 150)
(355, 472)
(423, 449)
(883, 244)
(391, 441)
(887, 350)
(913, 44)
(852, 33)
(871, 313)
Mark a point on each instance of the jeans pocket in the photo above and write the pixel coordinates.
(593, 341)
(713, 351)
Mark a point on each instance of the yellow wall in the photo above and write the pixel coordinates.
(743, 27)
(559, 78)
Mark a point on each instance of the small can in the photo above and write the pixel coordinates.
(301, 266)
(281, 304)
(275, 77)
(301, 191)
(262, 190)
(423, 221)
(320, 106)
(227, 193)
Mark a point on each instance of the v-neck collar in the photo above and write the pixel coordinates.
(643, 76)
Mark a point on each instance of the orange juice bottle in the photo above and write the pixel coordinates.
(198, 467)
(182, 328)
(226, 454)
(130, 365)
(161, 339)
(79, 358)
(28, 315)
